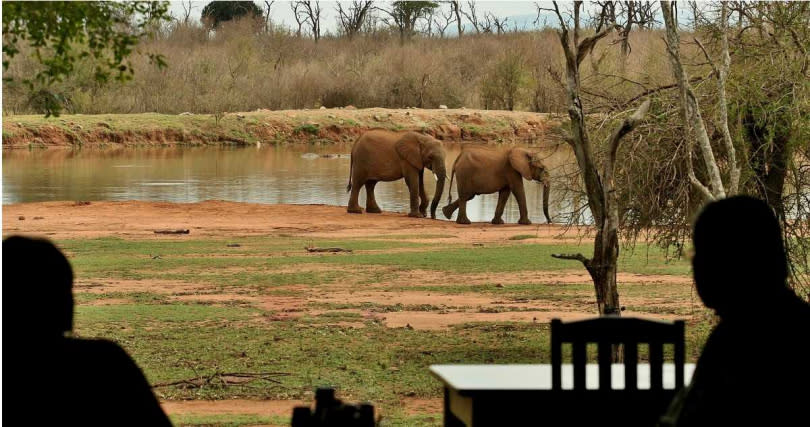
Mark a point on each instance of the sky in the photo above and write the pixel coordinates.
(522, 13)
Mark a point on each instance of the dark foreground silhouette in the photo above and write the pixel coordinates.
(755, 367)
(48, 378)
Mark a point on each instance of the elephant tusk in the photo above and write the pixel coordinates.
(436, 177)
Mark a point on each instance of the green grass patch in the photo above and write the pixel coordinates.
(141, 314)
(522, 237)
(311, 129)
(174, 340)
(375, 307)
(135, 297)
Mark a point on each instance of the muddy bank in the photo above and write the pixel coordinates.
(277, 127)
(222, 219)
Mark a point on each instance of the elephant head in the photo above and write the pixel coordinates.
(423, 151)
(530, 167)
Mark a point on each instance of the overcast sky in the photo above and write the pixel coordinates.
(521, 13)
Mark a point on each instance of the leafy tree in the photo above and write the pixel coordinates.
(62, 33)
(217, 12)
(502, 86)
(405, 14)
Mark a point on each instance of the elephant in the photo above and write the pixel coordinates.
(382, 155)
(484, 170)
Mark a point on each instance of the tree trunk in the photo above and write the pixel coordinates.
(690, 110)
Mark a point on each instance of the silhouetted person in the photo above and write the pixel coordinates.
(755, 367)
(49, 378)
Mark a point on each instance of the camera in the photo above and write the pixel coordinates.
(330, 411)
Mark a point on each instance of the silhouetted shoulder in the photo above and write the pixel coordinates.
(119, 392)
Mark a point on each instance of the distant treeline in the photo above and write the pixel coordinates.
(242, 67)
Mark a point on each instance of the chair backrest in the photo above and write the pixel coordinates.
(610, 330)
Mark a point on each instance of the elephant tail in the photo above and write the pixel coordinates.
(351, 166)
(452, 175)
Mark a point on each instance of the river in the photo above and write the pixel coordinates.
(289, 174)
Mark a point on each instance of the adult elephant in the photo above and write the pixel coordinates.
(381, 155)
(484, 170)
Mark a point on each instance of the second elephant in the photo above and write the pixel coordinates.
(484, 170)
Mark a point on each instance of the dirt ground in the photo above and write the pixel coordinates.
(222, 219)
(277, 407)
(226, 220)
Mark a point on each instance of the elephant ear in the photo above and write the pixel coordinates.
(409, 149)
(519, 159)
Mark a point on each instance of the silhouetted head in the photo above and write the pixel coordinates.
(37, 295)
(739, 263)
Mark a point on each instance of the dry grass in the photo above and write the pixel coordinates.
(238, 70)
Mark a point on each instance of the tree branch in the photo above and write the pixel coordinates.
(588, 43)
(662, 88)
(575, 257)
(627, 126)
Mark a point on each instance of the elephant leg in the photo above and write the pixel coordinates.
(520, 196)
(462, 209)
(503, 196)
(371, 202)
(423, 199)
(354, 206)
(449, 209)
(412, 181)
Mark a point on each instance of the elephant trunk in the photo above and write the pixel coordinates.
(546, 191)
(441, 175)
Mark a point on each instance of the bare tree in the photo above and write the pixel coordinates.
(472, 16)
(645, 15)
(188, 7)
(352, 18)
(299, 15)
(268, 4)
(500, 25)
(692, 117)
(447, 18)
(455, 7)
(312, 13)
(599, 185)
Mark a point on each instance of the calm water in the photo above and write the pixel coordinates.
(267, 174)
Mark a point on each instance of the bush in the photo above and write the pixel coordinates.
(237, 69)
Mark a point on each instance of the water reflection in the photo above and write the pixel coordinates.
(266, 174)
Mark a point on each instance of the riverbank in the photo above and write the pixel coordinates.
(242, 293)
(276, 127)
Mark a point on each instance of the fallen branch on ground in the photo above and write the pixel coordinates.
(224, 379)
(311, 249)
(182, 231)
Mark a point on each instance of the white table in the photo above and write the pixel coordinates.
(491, 394)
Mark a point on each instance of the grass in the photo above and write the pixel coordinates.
(522, 237)
(307, 128)
(178, 334)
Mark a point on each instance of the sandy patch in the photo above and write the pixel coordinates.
(131, 219)
(433, 321)
(414, 406)
(432, 278)
(232, 406)
(267, 408)
(107, 301)
(101, 286)
(405, 298)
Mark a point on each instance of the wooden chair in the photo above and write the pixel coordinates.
(606, 331)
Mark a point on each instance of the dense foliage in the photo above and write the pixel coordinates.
(59, 34)
(216, 12)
